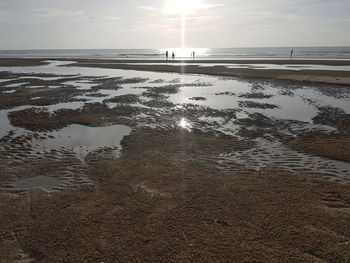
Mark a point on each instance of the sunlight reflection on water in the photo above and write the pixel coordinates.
(185, 124)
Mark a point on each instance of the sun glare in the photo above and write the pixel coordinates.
(182, 7)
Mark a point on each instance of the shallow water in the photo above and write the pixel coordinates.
(294, 106)
(14, 85)
(83, 139)
(4, 80)
(81, 85)
(296, 67)
(291, 67)
(45, 183)
(6, 126)
(9, 91)
(75, 105)
(185, 53)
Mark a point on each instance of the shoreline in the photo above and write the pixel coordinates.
(258, 60)
(4, 61)
(335, 77)
(304, 76)
(278, 61)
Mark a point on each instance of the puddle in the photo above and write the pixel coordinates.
(45, 183)
(185, 124)
(83, 139)
(15, 85)
(6, 126)
(80, 85)
(9, 91)
(38, 87)
(4, 80)
(75, 105)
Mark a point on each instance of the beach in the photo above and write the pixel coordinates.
(214, 67)
(196, 160)
(306, 75)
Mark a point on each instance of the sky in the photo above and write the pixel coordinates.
(75, 24)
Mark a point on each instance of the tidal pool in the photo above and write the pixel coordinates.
(83, 139)
(45, 183)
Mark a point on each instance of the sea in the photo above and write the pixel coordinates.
(214, 53)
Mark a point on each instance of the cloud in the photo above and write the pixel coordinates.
(147, 8)
(54, 13)
(145, 22)
(187, 7)
(103, 18)
(62, 16)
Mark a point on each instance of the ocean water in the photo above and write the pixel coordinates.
(244, 53)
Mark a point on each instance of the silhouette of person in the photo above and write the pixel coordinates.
(173, 55)
(194, 54)
(167, 55)
(291, 54)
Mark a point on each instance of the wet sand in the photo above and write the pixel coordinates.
(181, 190)
(19, 62)
(308, 76)
(165, 204)
(328, 62)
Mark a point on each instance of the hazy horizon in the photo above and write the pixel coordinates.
(163, 48)
(78, 24)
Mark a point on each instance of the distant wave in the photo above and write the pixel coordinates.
(317, 52)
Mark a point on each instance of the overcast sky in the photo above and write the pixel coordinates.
(60, 24)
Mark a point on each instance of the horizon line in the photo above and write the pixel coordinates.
(32, 49)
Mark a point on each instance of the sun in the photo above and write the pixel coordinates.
(182, 7)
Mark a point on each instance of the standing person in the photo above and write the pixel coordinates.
(167, 55)
(291, 54)
(194, 54)
(173, 55)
